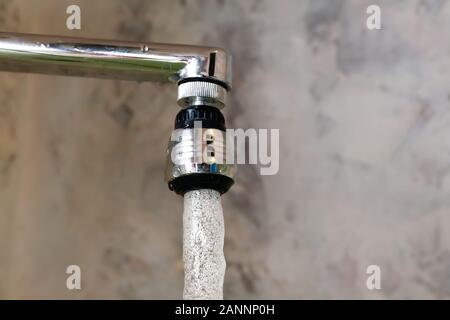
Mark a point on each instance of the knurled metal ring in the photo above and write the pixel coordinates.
(205, 93)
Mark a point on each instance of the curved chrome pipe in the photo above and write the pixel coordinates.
(113, 59)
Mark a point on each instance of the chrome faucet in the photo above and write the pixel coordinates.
(203, 76)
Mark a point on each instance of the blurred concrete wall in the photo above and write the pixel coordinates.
(364, 179)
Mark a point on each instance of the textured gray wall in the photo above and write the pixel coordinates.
(365, 153)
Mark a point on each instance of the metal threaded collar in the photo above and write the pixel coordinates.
(205, 93)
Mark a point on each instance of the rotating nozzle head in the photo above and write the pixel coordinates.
(196, 153)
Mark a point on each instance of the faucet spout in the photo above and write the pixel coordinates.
(113, 59)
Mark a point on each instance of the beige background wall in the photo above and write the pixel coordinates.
(365, 153)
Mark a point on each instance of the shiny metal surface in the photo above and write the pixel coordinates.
(112, 59)
(199, 150)
(202, 93)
